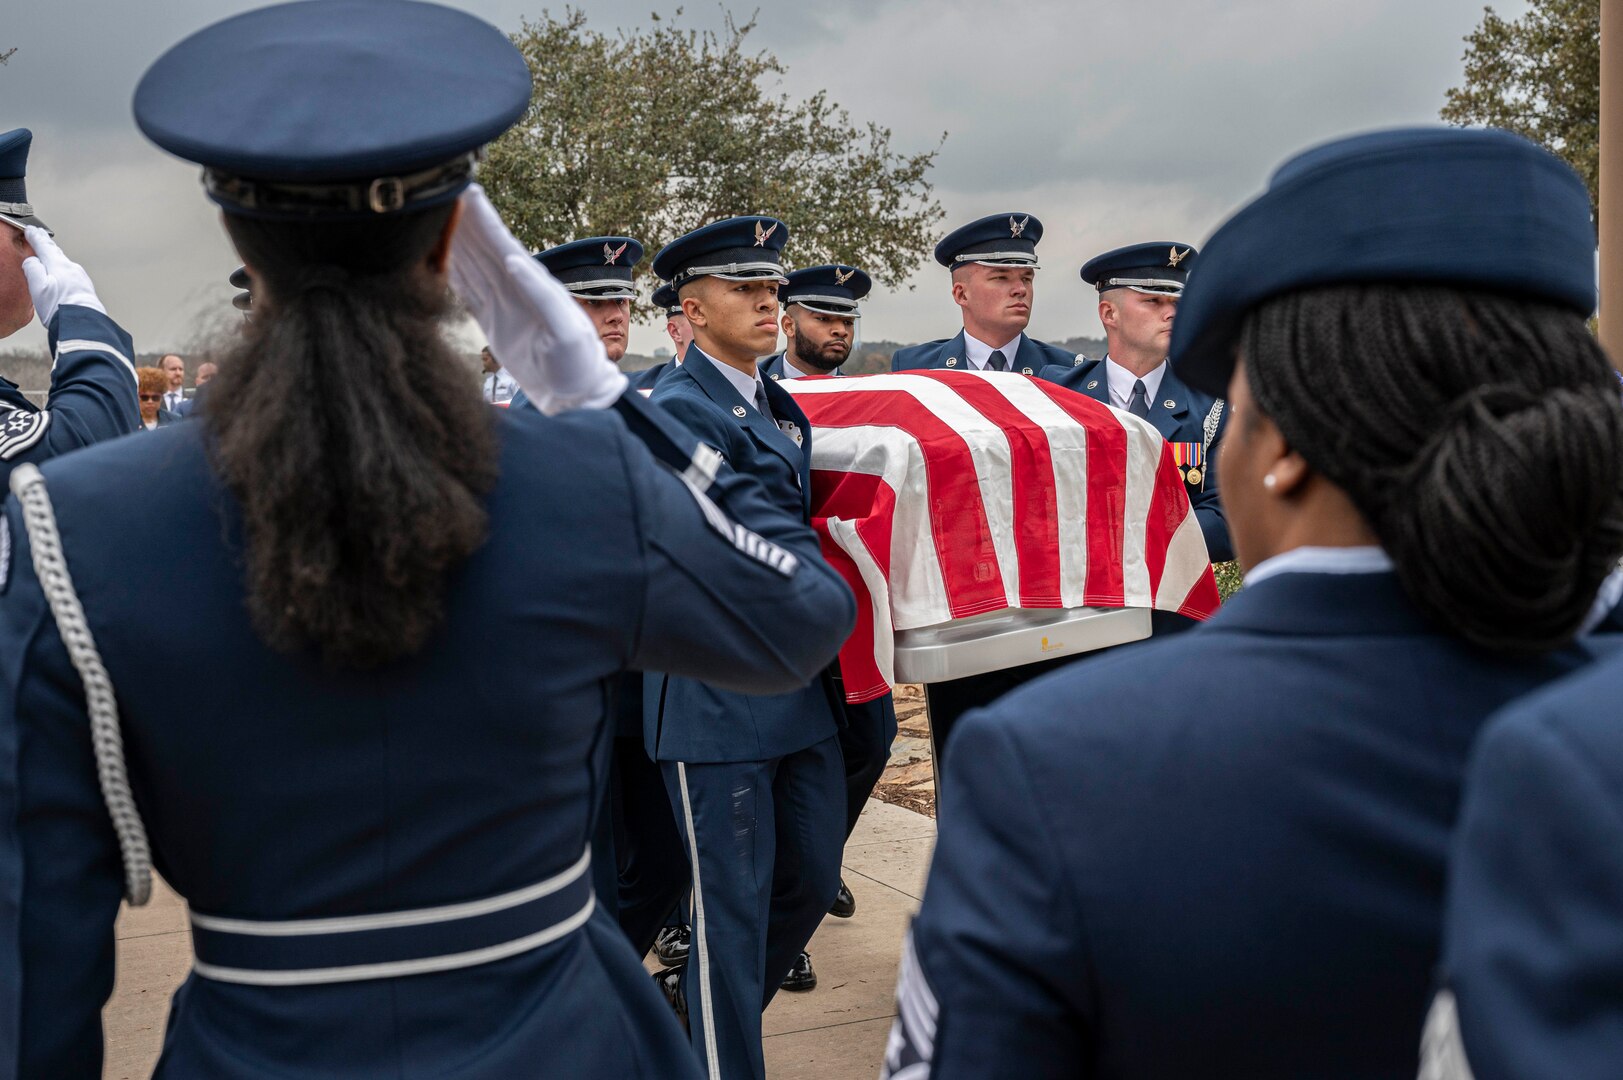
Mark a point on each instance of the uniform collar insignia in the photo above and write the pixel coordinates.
(762, 235)
(1176, 256)
(613, 253)
(1018, 227)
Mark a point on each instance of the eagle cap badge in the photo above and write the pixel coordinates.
(612, 254)
(1176, 256)
(840, 278)
(1018, 227)
(763, 235)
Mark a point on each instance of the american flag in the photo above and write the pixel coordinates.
(944, 494)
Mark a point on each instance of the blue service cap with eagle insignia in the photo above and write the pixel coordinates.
(999, 240)
(335, 109)
(829, 290)
(666, 300)
(14, 205)
(1160, 268)
(1476, 208)
(736, 249)
(598, 267)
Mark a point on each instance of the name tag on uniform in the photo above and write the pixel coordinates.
(1190, 457)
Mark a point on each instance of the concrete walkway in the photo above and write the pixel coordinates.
(836, 1032)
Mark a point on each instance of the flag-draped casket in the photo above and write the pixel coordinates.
(946, 495)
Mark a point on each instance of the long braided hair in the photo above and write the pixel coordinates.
(1480, 435)
(354, 440)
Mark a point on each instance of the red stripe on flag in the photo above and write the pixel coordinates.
(958, 526)
(870, 503)
(1036, 512)
(1169, 505)
(1106, 494)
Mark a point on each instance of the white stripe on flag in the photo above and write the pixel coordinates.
(1144, 446)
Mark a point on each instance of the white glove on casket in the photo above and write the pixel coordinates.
(534, 325)
(54, 279)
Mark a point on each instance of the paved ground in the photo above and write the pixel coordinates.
(836, 1032)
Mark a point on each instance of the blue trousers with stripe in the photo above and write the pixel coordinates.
(764, 839)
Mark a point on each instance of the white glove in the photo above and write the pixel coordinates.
(534, 325)
(54, 279)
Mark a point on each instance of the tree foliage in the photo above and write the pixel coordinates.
(655, 131)
(1538, 76)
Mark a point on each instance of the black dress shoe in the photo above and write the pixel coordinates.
(801, 976)
(669, 982)
(845, 905)
(672, 945)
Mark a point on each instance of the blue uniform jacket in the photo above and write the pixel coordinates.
(639, 380)
(1533, 942)
(277, 789)
(1217, 855)
(1029, 359)
(689, 720)
(92, 394)
(1181, 415)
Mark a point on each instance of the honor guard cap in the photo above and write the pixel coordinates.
(829, 290)
(597, 268)
(335, 108)
(244, 300)
(999, 240)
(737, 249)
(666, 300)
(1469, 207)
(14, 205)
(1160, 268)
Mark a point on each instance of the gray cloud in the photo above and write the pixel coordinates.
(1113, 123)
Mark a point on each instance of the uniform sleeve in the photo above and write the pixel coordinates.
(736, 592)
(60, 875)
(994, 975)
(1208, 507)
(93, 395)
(1533, 943)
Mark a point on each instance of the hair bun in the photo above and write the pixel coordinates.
(1509, 518)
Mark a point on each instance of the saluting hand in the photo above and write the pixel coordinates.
(547, 343)
(54, 279)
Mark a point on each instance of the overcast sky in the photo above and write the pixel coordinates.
(1113, 123)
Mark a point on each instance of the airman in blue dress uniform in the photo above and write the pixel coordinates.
(598, 270)
(375, 798)
(821, 307)
(1533, 932)
(93, 386)
(757, 782)
(993, 263)
(1228, 850)
(1139, 287)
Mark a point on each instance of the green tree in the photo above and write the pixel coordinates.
(1538, 76)
(655, 131)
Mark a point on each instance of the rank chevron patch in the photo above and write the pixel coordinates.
(20, 429)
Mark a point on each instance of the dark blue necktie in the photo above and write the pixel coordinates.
(760, 401)
(997, 361)
(1139, 403)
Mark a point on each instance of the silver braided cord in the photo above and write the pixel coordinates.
(51, 567)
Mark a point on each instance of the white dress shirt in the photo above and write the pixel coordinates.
(977, 352)
(1322, 560)
(1121, 383)
(499, 386)
(745, 384)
